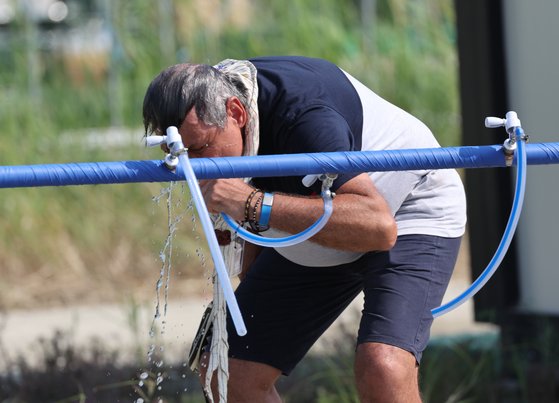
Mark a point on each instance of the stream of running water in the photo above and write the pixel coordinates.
(178, 207)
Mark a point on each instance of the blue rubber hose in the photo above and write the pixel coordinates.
(508, 234)
(288, 240)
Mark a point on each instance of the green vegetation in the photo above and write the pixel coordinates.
(51, 97)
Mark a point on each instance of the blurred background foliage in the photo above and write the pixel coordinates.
(72, 79)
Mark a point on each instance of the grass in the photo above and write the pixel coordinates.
(108, 235)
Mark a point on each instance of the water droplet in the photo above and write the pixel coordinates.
(144, 375)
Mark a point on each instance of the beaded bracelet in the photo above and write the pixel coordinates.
(253, 222)
(248, 204)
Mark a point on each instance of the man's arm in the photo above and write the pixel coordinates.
(361, 220)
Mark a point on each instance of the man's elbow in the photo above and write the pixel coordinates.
(390, 234)
(387, 233)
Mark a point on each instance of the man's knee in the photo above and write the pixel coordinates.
(386, 373)
(384, 363)
(248, 376)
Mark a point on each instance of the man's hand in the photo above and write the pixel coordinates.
(226, 196)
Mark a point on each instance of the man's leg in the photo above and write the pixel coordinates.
(252, 382)
(401, 287)
(384, 373)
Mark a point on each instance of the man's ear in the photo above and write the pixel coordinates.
(237, 111)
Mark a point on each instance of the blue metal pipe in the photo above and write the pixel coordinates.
(90, 173)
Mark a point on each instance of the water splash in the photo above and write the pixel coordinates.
(166, 253)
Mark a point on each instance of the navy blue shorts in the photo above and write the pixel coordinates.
(287, 307)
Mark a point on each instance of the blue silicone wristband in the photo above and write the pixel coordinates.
(266, 210)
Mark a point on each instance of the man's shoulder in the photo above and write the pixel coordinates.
(288, 59)
(298, 64)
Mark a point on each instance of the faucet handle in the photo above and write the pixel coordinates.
(492, 122)
(153, 141)
(510, 122)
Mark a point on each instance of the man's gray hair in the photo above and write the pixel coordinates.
(179, 88)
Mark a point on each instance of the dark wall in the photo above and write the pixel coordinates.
(483, 89)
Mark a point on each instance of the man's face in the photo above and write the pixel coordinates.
(210, 141)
